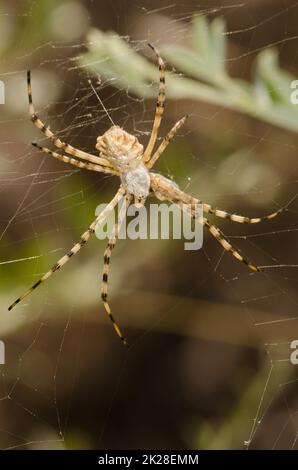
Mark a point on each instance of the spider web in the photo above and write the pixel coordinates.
(216, 333)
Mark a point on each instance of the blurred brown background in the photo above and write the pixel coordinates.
(208, 365)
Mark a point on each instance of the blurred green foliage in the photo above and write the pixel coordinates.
(267, 98)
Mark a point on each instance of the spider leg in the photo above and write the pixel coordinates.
(207, 208)
(219, 236)
(106, 267)
(174, 194)
(235, 217)
(76, 248)
(159, 106)
(170, 135)
(56, 141)
(73, 161)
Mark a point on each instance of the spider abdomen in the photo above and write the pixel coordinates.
(136, 181)
(120, 147)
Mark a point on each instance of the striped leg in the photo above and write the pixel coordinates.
(73, 161)
(56, 141)
(76, 248)
(106, 267)
(165, 142)
(219, 236)
(172, 193)
(207, 208)
(238, 218)
(159, 106)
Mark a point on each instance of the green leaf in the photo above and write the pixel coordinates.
(277, 81)
(218, 30)
(202, 42)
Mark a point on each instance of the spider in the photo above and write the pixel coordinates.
(121, 154)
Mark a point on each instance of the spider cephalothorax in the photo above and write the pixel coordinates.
(121, 154)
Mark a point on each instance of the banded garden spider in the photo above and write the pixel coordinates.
(121, 154)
